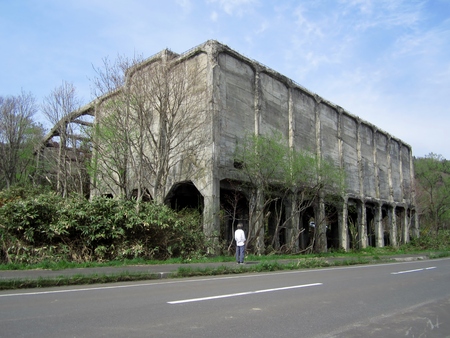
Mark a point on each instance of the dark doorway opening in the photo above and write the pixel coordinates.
(370, 219)
(332, 227)
(185, 196)
(234, 209)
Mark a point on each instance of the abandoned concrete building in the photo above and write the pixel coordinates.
(241, 96)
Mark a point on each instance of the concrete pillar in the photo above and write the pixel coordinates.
(389, 166)
(291, 119)
(376, 165)
(414, 215)
(393, 226)
(211, 212)
(406, 226)
(415, 224)
(321, 236)
(400, 173)
(211, 185)
(362, 225)
(318, 101)
(379, 231)
(304, 235)
(292, 230)
(360, 160)
(256, 220)
(257, 102)
(211, 221)
(292, 226)
(343, 226)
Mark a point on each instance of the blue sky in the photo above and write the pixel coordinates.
(386, 61)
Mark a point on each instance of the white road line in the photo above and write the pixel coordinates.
(415, 270)
(242, 294)
(73, 290)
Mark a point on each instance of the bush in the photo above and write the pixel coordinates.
(441, 241)
(37, 228)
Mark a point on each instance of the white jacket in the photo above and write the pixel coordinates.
(239, 237)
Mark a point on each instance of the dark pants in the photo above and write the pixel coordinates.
(240, 251)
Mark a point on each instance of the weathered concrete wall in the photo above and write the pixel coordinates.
(236, 116)
(383, 165)
(274, 105)
(304, 121)
(349, 137)
(254, 99)
(329, 122)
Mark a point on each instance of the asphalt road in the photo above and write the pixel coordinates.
(408, 299)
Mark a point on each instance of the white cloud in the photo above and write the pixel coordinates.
(263, 27)
(310, 28)
(235, 7)
(186, 5)
(214, 16)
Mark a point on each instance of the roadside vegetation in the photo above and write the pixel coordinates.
(256, 264)
(41, 229)
(37, 227)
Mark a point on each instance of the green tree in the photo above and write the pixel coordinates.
(278, 175)
(432, 174)
(18, 136)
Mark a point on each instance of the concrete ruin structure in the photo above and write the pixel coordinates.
(242, 96)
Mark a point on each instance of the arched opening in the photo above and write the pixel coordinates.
(386, 225)
(145, 195)
(307, 228)
(352, 221)
(234, 209)
(370, 224)
(413, 228)
(400, 213)
(332, 227)
(275, 231)
(185, 195)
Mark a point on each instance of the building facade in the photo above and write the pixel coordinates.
(242, 96)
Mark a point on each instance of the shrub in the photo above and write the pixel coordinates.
(441, 241)
(44, 227)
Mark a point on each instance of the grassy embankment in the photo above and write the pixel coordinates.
(258, 264)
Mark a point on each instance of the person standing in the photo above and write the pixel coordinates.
(239, 237)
